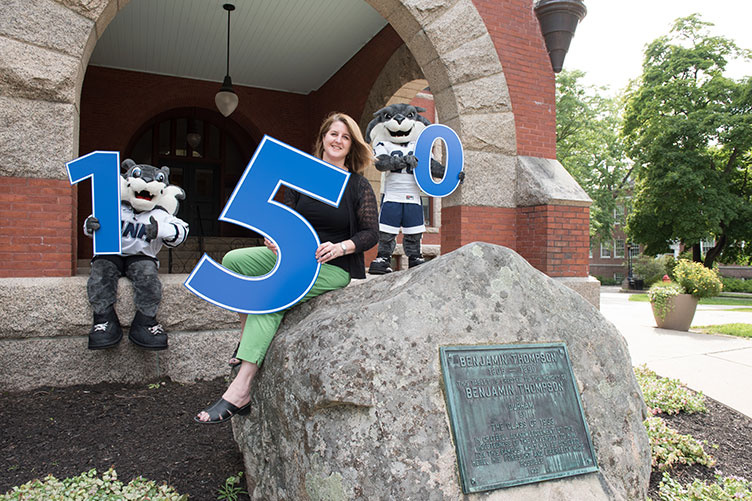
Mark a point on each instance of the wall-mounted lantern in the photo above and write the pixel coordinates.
(558, 21)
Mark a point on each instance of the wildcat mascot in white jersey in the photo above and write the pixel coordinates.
(393, 133)
(147, 220)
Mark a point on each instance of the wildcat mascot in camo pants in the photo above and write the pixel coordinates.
(147, 220)
(393, 133)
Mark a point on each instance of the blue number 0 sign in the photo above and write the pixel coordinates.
(252, 205)
(455, 160)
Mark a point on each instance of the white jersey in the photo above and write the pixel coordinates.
(172, 231)
(398, 186)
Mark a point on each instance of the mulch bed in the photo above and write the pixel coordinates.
(731, 431)
(138, 430)
(150, 432)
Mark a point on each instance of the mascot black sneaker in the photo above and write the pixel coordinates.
(379, 266)
(415, 261)
(147, 333)
(106, 331)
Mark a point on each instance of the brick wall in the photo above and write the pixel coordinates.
(461, 225)
(515, 32)
(347, 90)
(37, 237)
(115, 104)
(555, 239)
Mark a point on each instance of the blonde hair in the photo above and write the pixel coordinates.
(360, 156)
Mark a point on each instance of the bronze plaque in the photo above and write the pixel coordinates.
(516, 415)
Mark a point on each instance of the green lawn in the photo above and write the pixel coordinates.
(720, 300)
(739, 330)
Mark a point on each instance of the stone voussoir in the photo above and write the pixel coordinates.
(31, 72)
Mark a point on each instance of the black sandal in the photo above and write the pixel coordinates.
(222, 411)
(235, 357)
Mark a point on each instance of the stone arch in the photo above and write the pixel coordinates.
(48, 50)
(454, 50)
(400, 69)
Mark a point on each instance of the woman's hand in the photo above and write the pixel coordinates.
(328, 251)
(270, 245)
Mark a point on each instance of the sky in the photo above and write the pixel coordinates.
(610, 41)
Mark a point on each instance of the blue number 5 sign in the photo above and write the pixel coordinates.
(252, 205)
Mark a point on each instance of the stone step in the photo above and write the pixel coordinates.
(46, 321)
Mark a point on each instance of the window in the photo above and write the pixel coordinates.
(606, 250)
(618, 215)
(619, 248)
(427, 203)
(706, 245)
(634, 249)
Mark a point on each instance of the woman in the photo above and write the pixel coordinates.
(346, 232)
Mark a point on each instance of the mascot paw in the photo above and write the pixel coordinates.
(411, 162)
(152, 229)
(91, 224)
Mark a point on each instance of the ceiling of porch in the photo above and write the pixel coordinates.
(287, 45)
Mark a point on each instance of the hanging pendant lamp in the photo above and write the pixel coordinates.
(226, 99)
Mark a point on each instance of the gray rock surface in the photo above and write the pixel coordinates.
(349, 403)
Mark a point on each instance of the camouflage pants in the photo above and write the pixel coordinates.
(142, 272)
(410, 243)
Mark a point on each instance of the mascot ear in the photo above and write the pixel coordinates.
(419, 109)
(424, 120)
(126, 164)
(370, 127)
(165, 169)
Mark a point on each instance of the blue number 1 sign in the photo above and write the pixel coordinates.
(252, 205)
(103, 167)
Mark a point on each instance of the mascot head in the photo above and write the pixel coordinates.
(397, 123)
(144, 187)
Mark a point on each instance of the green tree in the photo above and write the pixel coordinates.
(689, 130)
(589, 146)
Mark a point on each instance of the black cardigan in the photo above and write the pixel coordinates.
(363, 217)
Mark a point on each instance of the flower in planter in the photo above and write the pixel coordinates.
(697, 280)
(691, 278)
(660, 295)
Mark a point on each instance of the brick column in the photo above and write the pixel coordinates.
(37, 237)
(462, 224)
(555, 239)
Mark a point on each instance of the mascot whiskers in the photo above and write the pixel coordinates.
(147, 220)
(392, 134)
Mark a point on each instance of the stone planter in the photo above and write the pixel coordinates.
(680, 314)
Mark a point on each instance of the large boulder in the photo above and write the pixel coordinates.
(349, 403)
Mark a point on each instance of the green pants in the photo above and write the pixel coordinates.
(259, 330)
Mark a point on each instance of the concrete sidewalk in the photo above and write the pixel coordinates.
(719, 366)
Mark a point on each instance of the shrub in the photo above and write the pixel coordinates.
(697, 279)
(667, 395)
(669, 447)
(731, 284)
(723, 489)
(650, 269)
(88, 486)
(669, 262)
(607, 281)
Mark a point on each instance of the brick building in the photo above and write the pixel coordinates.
(484, 61)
